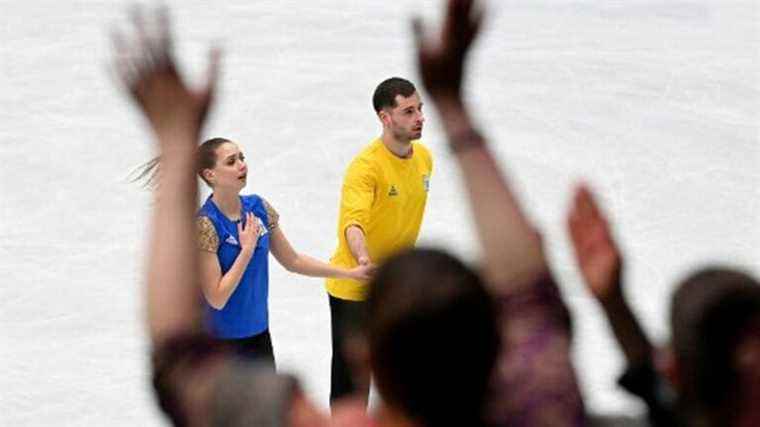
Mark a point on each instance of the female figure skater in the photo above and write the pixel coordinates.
(235, 235)
(199, 383)
(200, 380)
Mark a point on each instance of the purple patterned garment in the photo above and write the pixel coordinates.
(534, 381)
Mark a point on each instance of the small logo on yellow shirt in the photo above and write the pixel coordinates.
(426, 182)
(393, 191)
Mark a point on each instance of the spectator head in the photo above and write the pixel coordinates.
(715, 320)
(433, 338)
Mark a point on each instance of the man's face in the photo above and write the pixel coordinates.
(405, 119)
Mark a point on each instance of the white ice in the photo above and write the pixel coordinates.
(655, 103)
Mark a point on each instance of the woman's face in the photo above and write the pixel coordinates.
(230, 170)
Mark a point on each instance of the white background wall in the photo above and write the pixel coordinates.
(654, 102)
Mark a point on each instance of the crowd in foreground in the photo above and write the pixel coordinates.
(446, 345)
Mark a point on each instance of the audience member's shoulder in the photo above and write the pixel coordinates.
(250, 393)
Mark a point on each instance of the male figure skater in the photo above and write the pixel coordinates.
(382, 203)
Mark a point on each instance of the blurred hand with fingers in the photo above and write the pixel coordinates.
(147, 70)
(441, 62)
(601, 265)
(597, 254)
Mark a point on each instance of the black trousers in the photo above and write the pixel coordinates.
(347, 318)
(257, 347)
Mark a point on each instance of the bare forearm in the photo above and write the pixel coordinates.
(173, 267)
(308, 266)
(356, 243)
(230, 280)
(627, 330)
(511, 248)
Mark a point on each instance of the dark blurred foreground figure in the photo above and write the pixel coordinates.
(433, 339)
(532, 381)
(710, 373)
(519, 372)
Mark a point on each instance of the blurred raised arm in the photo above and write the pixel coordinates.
(534, 380)
(601, 266)
(175, 113)
(503, 229)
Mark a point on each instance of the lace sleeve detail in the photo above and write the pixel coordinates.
(272, 215)
(207, 239)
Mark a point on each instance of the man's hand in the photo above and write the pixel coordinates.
(357, 245)
(441, 61)
(595, 251)
(148, 72)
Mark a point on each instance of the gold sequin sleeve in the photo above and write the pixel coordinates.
(272, 215)
(207, 238)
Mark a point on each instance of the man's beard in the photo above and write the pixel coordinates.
(406, 136)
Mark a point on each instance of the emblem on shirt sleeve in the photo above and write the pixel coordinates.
(262, 228)
(426, 182)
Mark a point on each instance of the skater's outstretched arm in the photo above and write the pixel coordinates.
(601, 266)
(300, 263)
(534, 381)
(175, 114)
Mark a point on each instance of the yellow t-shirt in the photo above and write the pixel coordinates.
(385, 196)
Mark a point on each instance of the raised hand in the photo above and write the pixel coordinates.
(600, 263)
(248, 233)
(147, 70)
(441, 61)
(595, 251)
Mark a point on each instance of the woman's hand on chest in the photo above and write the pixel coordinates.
(248, 233)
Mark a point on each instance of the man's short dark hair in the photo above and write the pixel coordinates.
(433, 337)
(386, 92)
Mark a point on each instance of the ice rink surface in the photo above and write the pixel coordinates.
(655, 103)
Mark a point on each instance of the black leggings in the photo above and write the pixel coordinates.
(346, 318)
(257, 347)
